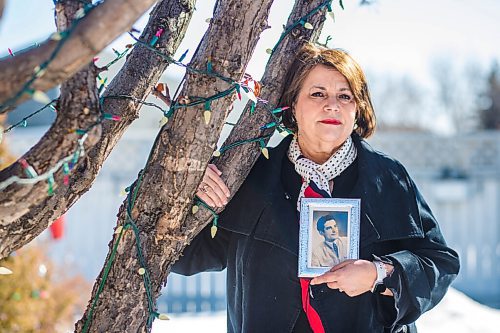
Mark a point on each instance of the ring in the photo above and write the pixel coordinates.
(341, 290)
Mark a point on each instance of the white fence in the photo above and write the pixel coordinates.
(459, 177)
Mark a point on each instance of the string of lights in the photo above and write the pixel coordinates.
(143, 271)
(50, 104)
(23, 122)
(40, 70)
(151, 46)
(179, 102)
(185, 101)
(66, 163)
(303, 21)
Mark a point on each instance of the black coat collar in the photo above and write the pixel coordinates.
(389, 199)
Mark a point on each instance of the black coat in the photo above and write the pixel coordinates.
(258, 243)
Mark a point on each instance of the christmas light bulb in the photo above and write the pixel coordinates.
(308, 26)
(265, 152)
(50, 181)
(163, 121)
(5, 271)
(56, 36)
(183, 55)
(213, 231)
(118, 229)
(80, 13)
(110, 116)
(163, 316)
(207, 114)
(209, 65)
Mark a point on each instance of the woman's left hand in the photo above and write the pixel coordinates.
(354, 277)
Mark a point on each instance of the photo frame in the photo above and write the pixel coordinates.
(329, 233)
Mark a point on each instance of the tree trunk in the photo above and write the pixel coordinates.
(236, 163)
(176, 165)
(27, 210)
(101, 26)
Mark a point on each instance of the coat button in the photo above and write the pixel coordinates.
(287, 197)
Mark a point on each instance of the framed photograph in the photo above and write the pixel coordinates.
(329, 233)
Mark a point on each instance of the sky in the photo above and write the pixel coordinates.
(388, 37)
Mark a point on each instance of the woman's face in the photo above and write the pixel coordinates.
(325, 109)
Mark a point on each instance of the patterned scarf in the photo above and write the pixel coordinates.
(315, 178)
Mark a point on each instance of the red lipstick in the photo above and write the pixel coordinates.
(331, 121)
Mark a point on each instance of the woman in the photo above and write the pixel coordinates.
(405, 266)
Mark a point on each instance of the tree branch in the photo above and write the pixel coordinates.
(26, 216)
(235, 164)
(176, 165)
(89, 37)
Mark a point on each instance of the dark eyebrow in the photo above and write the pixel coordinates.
(323, 88)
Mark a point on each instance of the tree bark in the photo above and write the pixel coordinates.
(101, 26)
(236, 163)
(27, 210)
(175, 167)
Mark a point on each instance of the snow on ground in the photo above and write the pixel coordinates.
(459, 314)
(456, 313)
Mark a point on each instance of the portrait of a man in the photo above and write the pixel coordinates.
(332, 247)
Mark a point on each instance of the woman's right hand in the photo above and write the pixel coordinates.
(212, 189)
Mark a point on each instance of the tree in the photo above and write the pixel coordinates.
(25, 214)
(399, 102)
(457, 90)
(489, 116)
(38, 296)
(154, 224)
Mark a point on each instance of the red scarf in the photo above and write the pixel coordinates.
(312, 315)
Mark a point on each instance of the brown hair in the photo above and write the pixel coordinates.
(310, 56)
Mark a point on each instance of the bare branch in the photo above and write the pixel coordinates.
(90, 36)
(26, 217)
